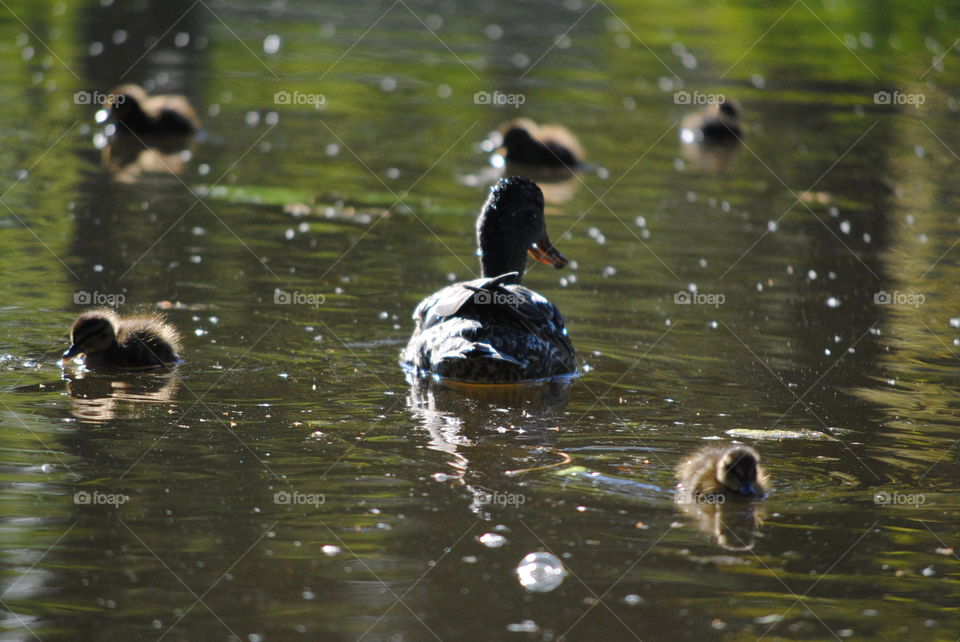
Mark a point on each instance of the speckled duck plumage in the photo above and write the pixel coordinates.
(493, 330)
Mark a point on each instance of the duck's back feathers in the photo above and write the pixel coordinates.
(490, 331)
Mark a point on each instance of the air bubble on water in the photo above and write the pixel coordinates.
(845, 227)
(494, 32)
(812, 275)
(772, 226)
(632, 599)
(330, 549)
(527, 626)
(492, 540)
(540, 572)
(955, 322)
(271, 44)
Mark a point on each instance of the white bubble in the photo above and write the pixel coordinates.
(271, 44)
(540, 572)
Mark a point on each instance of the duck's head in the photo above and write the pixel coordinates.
(511, 226)
(737, 471)
(92, 331)
(125, 103)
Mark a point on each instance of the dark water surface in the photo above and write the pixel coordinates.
(837, 203)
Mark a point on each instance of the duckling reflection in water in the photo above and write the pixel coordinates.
(710, 477)
(97, 398)
(108, 341)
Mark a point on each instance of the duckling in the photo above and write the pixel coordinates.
(732, 471)
(137, 113)
(546, 146)
(718, 123)
(108, 341)
(492, 330)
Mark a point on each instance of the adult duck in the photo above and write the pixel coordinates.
(493, 330)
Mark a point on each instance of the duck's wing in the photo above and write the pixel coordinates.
(448, 302)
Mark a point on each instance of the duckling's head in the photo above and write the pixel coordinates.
(125, 103)
(92, 331)
(511, 225)
(728, 108)
(737, 470)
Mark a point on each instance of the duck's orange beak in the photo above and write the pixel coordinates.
(544, 252)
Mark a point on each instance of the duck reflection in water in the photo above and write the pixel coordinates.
(715, 489)
(146, 134)
(98, 398)
(488, 431)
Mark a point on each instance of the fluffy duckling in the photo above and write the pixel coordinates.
(138, 113)
(731, 471)
(546, 146)
(718, 123)
(108, 341)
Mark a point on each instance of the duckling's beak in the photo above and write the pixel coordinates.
(73, 351)
(749, 489)
(544, 252)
